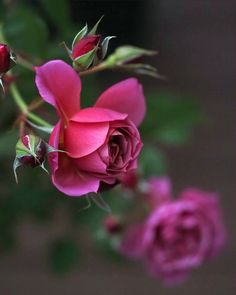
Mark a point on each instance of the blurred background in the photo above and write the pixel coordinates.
(46, 245)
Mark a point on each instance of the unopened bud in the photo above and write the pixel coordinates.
(31, 150)
(5, 58)
(85, 45)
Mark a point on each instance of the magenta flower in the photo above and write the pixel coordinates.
(101, 142)
(178, 235)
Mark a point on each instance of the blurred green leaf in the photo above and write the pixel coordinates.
(170, 119)
(59, 13)
(26, 31)
(2, 10)
(64, 255)
(108, 246)
(152, 162)
(7, 143)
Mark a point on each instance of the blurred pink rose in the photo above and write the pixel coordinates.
(101, 142)
(130, 179)
(177, 236)
(159, 190)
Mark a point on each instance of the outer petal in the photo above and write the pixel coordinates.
(69, 180)
(93, 115)
(125, 97)
(82, 139)
(59, 85)
(65, 174)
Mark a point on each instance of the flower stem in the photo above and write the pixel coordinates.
(24, 108)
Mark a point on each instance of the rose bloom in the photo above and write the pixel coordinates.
(178, 235)
(100, 143)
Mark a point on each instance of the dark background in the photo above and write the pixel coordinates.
(197, 52)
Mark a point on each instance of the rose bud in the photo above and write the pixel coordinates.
(178, 236)
(101, 142)
(31, 150)
(87, 48)
(112, 225)
(85, 45)
(5, 59)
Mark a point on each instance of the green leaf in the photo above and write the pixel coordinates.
(59, 13)
(26, 31)
(127, 53)
(152, 162)
(64, 255)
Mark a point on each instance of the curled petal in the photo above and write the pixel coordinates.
(60, 86)
(96, 115)
(125, 97)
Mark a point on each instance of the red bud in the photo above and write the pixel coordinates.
(85, 45)
(5, 58)
(39, 149)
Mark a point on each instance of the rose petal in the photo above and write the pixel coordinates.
(125, 97)
(69, 180)
(60, 86)
(94, 115)
(91, 163)
(83, 139)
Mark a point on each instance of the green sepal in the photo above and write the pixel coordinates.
(94, 29)
(34, 145)
(66, 48)
(84, 61)
(1, 84)
(104, 45)
(47, 130)
(80, 35)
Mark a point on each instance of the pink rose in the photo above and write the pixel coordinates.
(178, 235)
(101, 142)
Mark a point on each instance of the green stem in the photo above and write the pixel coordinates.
(18, 99)
(24, 108)
(38, 120)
